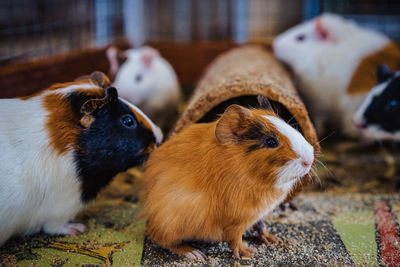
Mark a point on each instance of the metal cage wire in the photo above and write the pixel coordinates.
(31, 29)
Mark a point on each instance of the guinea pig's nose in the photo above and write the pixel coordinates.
(306, 163)
(361, 125)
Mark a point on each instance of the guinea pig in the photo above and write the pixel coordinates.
(335, 62)
(378, 116)
(147, 80)
(212, 181)
(60, 147)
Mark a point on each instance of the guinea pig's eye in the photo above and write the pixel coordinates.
(391, 105)
(138, 78)
(271, 142)
(300, 37)
(128, 121)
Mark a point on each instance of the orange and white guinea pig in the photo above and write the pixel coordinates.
(335, 62)
(60, 147)
(212, 181)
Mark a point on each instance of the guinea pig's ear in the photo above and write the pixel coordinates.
(384, 73)
(116, 58)
(98, 77)
(112, 56)
(147, 55)
(94, 104)
(321, 30)
(232, 124)
(111, 95)
(264, 103)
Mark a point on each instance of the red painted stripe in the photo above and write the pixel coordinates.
(390, 242)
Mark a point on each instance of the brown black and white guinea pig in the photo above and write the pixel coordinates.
(378, 116)
(60, 147)
(335, 62)
(212, 181)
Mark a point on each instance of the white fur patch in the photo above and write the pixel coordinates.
(38, 187)
(298, 142)
(73, 87)
(156, 130)
(376, 133)
(358, 117)
(293, 169)
(372, 131)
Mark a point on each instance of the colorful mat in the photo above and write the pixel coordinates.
(349, 219)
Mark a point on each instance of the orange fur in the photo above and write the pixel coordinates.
(365, 76)
(62, 123)
(142, 120)
(198, 188)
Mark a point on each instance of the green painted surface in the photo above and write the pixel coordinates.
(111, 224)
(357, 231)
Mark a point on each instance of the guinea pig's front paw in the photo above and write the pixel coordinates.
(189, 252)
(268, 238)
(74, 228)
(243, 251)
(64, 229)
(196, 255)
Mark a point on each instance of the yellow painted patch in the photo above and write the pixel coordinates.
(103, 253)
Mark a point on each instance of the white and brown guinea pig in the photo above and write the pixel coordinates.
(148, 81)
(378, 116)
(60, 147)
(212, 181)
(335, 62)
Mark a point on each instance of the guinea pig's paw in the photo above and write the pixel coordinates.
(243, 251)
(64, 229)
(75, 228)
(190, 253)
(196, 255)
(268, 238)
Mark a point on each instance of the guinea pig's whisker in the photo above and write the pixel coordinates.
(311, 178)
(315, 175)
(288, 122)
(324, 167)
(326, 137)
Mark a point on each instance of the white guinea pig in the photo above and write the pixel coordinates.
(60, 147)
(335, 62)
(148, 81)
(378, 117)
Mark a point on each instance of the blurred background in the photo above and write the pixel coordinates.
(31, 29)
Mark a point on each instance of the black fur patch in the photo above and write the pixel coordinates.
(384, 109)
(253, 133)
(254, 147)
(107, 147)
(256, 132)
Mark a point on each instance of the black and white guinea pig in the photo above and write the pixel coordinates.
(335, 62)
(60, 147)
(146, 80)
(378, 116)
